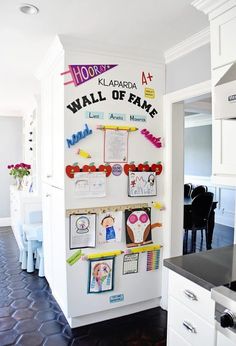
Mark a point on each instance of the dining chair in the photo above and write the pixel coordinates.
(197, 218)
(187, 190)
(198, 189)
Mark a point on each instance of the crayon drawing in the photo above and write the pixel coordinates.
(110, 226)
(138, 227)
(142, 184)
(101, 275)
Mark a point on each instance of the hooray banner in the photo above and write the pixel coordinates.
(83, 73)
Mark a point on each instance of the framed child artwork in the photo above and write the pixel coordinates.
(142, 184)
(82, 231)
(138, 227)
(101, 275)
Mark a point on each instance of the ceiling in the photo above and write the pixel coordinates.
(134, 27)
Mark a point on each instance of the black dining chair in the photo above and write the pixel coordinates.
(197, 190)
(187, 190)
(197, 218)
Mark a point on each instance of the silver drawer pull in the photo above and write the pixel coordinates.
(189, 327)
(190, 295)
(49, 176)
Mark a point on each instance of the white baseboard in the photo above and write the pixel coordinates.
(5, 221)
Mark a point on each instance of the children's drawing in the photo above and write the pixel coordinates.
(101, 275)
(110, 227)
(82, 230)
(138, 227)
(142, 184)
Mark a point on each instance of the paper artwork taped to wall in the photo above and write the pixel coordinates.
(142, 184)
(130, 263)
(153, 259)
(101, 272)
(90, 184)
(110, 226)
(82, 231)
(138, 227)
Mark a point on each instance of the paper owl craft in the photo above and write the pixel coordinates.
(138, 227)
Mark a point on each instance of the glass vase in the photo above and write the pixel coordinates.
(19, 183)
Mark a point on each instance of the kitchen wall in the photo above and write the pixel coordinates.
(10, 152)
(189, 69)
(197, 144)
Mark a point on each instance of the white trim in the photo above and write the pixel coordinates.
(173, 235)
(5, 221)
(193, 42)
(198, 180)
(197, 120)
(213, 8)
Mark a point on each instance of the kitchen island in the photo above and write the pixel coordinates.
(191, 309)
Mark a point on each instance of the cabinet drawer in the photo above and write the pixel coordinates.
(195, 330)
(196, 298)
(174, 339)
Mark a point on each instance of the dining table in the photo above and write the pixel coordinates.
(211, 221)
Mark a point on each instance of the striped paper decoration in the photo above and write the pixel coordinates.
(153, 258)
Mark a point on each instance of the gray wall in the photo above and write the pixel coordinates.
(10, 153)
(190, 69)
(198, 150)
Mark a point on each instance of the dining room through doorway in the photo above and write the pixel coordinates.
(198, 170)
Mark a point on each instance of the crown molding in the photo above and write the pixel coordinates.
(190, 44)
(213, 8)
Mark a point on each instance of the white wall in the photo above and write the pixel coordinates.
(198, 150)
(189, 69)
(10, 153)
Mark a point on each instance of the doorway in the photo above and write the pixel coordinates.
(174, 165)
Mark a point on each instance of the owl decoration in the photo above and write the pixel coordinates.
(138, 227)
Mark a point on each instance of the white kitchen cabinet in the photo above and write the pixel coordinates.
(190, 312)
(223, 48)
(53, 240)
(222, 340)
(52, 133)
(224, 144)
(21, 203)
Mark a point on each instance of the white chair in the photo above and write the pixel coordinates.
(31, 239)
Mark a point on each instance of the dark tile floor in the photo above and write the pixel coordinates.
(30, 316)
(222, 236)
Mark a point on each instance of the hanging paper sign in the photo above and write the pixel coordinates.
(116, 146)
(116, 169)
(149, 93)
(116, 116)
(153, 258)
(138, 118)
(130, 264)
(101, 273)
(83, 73)
(82, 231)
(94, 115)
(116, 298)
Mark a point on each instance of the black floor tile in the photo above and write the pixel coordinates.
(30, 316)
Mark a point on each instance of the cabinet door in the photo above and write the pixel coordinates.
(53, 125)
(174, 339)
(224, 144)
(47, 232)
(223, 48)
(223, 340)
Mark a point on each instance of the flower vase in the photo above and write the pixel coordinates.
(19, 183)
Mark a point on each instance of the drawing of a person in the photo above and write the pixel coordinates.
(108, 223)
(101, 272)
(150, 183)
(132, 180)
